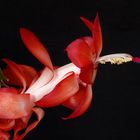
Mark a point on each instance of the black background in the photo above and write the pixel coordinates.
(114, 112)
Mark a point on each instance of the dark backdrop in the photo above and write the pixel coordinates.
(114, 112)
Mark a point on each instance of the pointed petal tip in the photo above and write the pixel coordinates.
(23, 124)
(34, 45)
(87, 22)
(84, 102)
(23, 31)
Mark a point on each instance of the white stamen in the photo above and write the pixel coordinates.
(118, 58)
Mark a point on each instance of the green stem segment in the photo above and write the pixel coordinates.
(2, 79)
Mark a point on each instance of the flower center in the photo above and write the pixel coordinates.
(118, 58)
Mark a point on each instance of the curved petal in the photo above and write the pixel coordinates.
(11, 77)
(79, 102)
(9, 90)
(88, 74)
(6, 124)
(17, 74)
(89, 40)
(14, 106)
(39, 113)
(95, 28)
(97, 36)
(80, 53)
(29, 73)
(4, 135)
(20, 124)
(65, 89)
(88, 23)
(44, 78)
(35, 47)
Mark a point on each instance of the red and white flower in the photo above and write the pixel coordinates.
(69, 85)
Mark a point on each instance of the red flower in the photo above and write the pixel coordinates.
(69, 85)
(16, 108)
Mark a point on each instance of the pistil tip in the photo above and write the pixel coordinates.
(136, 59)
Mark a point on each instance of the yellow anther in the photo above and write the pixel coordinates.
(118, 58)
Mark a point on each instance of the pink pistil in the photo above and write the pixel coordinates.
(136, 59)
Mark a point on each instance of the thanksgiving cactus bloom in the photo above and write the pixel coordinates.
(67, 83)
(56, 86)
(26, 90)
(84, 52)
(71, 84)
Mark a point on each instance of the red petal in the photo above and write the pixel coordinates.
(79, 102)
(20, 124)
(6, 124)
(29, 73)
(14, 106)
(80, 53)
(9, 89)
(4, 135)
(44, 78)
(88, 23)
(95, 28)
(14, 72)
(89, 40)
(65, 89)
(35, 47)
(11, 77)
(88, 74)
(39, 113)
(97, 35)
